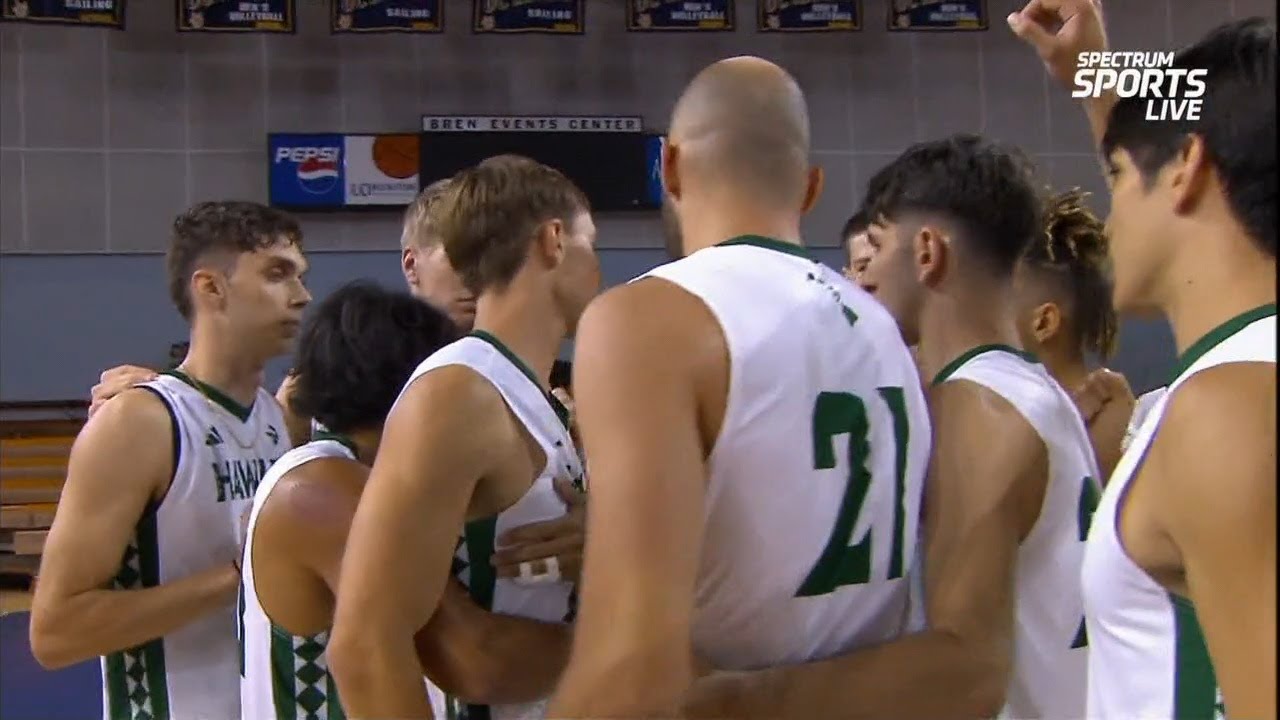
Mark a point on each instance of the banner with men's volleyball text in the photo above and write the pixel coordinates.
(97, 13)
(375, 16)
(807, 15)
(938, 15)
(267, 16)
(661, 15)
(563, 17)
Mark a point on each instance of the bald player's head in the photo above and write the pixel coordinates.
(744, 121)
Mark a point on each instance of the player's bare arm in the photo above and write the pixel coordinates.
(403, 536)
(115, 381)
(76, 614)
(484, 658)
(648, 438)
(1215, 460)
(984, 497)
(1059, 30)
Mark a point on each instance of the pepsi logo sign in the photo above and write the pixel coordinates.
(317, 167)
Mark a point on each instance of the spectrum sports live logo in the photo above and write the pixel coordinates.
(1170, 93)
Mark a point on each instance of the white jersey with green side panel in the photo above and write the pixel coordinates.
(1147, 656)
(222, 452)
(546, 422)
(1050, 655)
(816, 477)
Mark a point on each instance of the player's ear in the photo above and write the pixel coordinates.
(550, 242)
(409, 265)
(930, 248)
(813, 188)
(670, 169)
(1046, 319)
(208, 288)
(1188, 174)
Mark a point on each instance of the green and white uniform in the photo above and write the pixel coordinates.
(222, 452)
(1147, 656)
(816, 477)
(546, 422)
(1050, 655)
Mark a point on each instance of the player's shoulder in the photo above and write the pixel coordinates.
(320, 493)
(138, 411)
(965, 408)
(454, 393)
(1222, 412)
(649, 307)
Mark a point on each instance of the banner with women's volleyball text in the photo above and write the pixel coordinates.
(266, 16)
(661, 15)
(938, 15)
(94, 13)
(807, 15)
(375, 16)
(563, 17)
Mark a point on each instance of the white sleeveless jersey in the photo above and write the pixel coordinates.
(813, 498)
(1147, 656)
(544, 419)
(1050, 658)
(283, 675)
(222, 452)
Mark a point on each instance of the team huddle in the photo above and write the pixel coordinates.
(893, 492)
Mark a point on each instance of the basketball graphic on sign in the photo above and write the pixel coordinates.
(396, 155)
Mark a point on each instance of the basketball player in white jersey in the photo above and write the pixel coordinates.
(756, 430)
(355, 353)
(1012, 477)
(1062, 288)
(1180, 569)
(521, 235)
(141, 564)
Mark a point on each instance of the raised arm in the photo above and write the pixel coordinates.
(1215, 458)
(984, 497)
(642, 356)
(403, 536)
(76, 615)
(1059, 30)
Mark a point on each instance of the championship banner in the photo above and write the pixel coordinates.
(807, 15)
(563, 17)
(273, 16)
(938, 15)
(94, 13)
(660, 15)
(375, 16)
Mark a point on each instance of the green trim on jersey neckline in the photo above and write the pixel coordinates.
(339, 438)
(557, 407)
(1216, 336)
(223, 400)
(950, 368)
(768, 243)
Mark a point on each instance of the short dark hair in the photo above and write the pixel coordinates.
(488, 215)
(987, 190)
(1237, 122)
(230, 226)
(356, 351)
(855, 224)
(1073, 251)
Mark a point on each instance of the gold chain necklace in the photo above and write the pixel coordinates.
(218, 408)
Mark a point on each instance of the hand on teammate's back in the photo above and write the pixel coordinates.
(1060, 30)
(115, 381)
(536, 542)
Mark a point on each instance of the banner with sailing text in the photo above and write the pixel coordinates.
(376, 16)
(563, 17)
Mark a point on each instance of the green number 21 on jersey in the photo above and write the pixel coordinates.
(840, 414)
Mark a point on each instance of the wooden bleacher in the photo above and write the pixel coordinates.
(35, 441)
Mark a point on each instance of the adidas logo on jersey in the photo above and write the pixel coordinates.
(213, 437)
